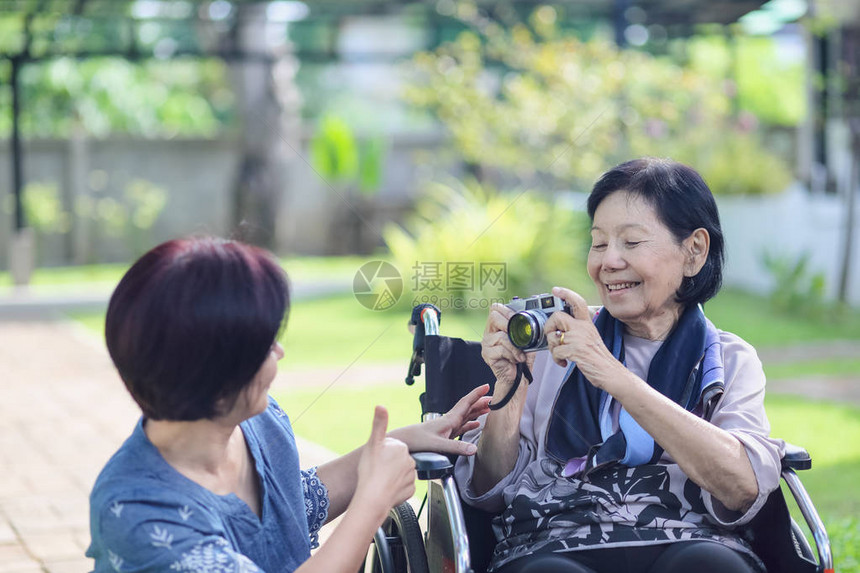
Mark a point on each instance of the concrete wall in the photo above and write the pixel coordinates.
(788, 225)
(199, 176)
(196, 174)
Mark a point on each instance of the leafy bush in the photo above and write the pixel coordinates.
(334, 152)
(796, 288)
(130, 217)
(341, 159)
(537, 242)
(43, 208)
(352, 169)
(738, 166)
(529, 101)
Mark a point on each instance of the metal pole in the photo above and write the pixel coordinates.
(851, 113)
(17, 176)
(619, 21)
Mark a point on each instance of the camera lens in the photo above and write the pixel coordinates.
(525, 329)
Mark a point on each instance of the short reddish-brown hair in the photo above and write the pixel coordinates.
(192, 321)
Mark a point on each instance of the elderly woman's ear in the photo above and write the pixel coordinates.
(696, 246)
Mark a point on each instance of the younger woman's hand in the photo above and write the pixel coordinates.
(386, 471)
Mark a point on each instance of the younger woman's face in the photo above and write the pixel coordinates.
(257, 392)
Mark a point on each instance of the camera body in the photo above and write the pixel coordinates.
(526, 327)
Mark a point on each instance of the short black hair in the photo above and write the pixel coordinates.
(192, 321)
(683, 203)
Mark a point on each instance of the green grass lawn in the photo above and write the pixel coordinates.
(298, 268)
(831, 434)
(336, 331)
(838, 367)
(754, 319)
(64, 276)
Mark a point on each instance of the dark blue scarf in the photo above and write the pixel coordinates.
(687, 368)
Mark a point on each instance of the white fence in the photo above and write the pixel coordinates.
(788, 225)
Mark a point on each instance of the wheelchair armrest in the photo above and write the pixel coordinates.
(430, 465)
(796, 458)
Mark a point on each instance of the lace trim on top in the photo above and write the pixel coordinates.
(316, 504)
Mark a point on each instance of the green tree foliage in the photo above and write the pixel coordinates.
(111, 95)
(526, 100)
(769, 84)
(148, 97)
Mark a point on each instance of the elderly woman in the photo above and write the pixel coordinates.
(642, 442)
(209, 479)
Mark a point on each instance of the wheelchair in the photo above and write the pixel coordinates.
(459, 538)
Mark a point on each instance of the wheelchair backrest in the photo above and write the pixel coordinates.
(453, 367)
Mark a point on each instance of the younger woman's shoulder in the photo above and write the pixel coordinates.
(273, 419)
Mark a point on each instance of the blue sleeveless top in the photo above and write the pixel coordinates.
(146, 516)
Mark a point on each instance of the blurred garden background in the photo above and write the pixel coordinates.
(456, 141)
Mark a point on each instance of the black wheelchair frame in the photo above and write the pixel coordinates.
(459, 538)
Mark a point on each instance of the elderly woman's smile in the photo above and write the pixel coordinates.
(619, 286)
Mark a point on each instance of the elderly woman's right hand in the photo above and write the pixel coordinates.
(498, 351)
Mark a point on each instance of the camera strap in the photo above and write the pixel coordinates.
(522, 370)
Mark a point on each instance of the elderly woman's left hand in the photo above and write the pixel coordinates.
(575, 338)
(439, 435)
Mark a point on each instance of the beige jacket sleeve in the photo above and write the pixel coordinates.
(741, 413)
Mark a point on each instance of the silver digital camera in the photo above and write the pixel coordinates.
(526, 327)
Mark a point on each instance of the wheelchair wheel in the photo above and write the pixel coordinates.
(801, 544)
(405, 543)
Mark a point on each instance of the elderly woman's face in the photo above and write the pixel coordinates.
(636, 264)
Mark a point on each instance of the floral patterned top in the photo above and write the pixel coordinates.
(146, 516)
